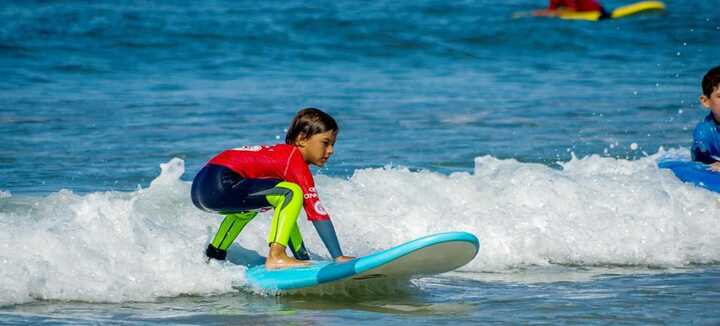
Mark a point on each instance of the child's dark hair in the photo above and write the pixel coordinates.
(711, 81)
(308, 122)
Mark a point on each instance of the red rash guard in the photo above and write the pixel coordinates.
(577, 5)
(279, 161)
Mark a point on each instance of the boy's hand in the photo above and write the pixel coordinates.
(715, 167)
(342, 259)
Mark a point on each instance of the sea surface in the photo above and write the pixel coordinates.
(540, 136)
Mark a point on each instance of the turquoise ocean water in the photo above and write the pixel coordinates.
(539, 136)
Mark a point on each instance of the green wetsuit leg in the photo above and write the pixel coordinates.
(287, 198)
(296, 244)
(230, 228)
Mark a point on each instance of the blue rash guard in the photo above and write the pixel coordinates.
(706, 141)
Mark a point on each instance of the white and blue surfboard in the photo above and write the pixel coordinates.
(693, 172)
(429, 255)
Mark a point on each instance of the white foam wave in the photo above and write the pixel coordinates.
(141, 245)
(109, 247)
(595, 211)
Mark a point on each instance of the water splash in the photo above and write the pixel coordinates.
(146, 244)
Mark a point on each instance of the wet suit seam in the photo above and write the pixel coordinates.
(288, 193)
(287, 163)
(281, 191)
(227, 231)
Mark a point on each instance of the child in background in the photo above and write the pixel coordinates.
(706, 137)
(238, 182)
(573, 5)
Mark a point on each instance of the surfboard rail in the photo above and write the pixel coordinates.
(431, 254)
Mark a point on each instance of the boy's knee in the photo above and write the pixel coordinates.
(285, 194)
(294, 188)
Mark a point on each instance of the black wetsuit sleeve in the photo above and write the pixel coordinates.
(703, 157)
(326, 230)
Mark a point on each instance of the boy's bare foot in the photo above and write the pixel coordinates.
(278, 263)
(277, 258)
(342, 259)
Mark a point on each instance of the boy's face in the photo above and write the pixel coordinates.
(318, 148)
(712, 102)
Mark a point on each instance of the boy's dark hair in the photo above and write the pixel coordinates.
(711, 81)
(308, 122)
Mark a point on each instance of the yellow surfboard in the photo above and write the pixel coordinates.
(619, 12)
(637, 8)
